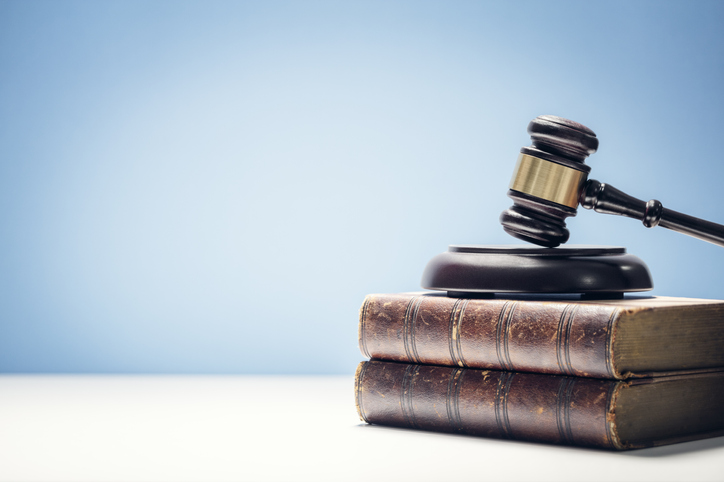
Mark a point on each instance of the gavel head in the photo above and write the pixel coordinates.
(548, 179)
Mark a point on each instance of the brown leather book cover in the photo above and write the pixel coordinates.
(542, 408)
(614, 339)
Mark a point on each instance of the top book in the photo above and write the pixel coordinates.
(615, 339)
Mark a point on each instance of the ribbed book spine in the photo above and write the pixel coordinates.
(544, 337)
(522, 406)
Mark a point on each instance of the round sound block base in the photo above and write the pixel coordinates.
(478, 271)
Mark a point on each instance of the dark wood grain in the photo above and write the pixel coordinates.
(606, 199)
(557, 140)
(568, 143)
(474, 270)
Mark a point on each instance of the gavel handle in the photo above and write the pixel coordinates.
(603, 198)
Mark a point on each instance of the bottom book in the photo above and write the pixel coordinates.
(543, 408)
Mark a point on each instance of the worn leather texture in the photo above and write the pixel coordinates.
(542, 337)
(522, 406)
(609, 414)
(576, 338)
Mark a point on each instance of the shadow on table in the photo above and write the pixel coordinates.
(678, 449)
(663, 451)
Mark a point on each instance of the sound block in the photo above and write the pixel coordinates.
(478, 271)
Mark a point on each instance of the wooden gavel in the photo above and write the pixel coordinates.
(551, 179)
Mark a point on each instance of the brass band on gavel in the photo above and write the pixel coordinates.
(547, 180)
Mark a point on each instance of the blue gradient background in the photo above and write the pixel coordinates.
(212, 187)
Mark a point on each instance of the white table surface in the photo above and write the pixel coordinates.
(214, 428)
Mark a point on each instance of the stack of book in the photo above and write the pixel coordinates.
(616, 374)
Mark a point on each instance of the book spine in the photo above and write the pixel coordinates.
(544, 337)
(521, 406)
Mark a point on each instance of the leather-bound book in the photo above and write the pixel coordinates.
(614, 339)
(609, 414)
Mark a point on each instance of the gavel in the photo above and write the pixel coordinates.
(551, 179)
